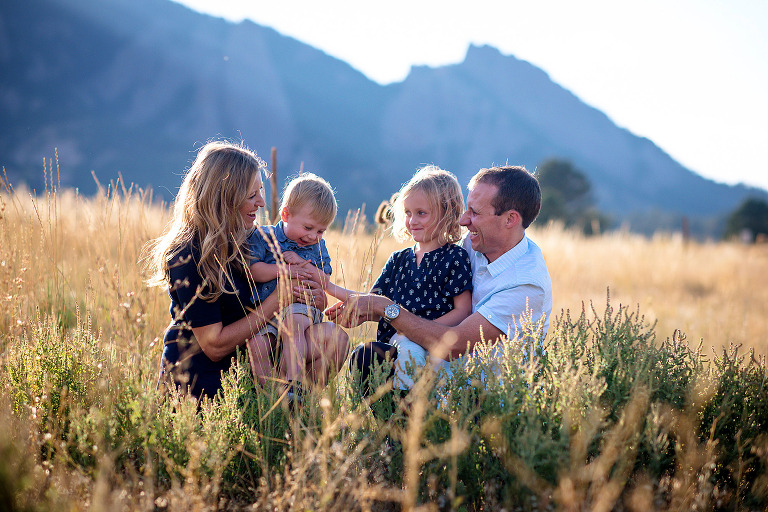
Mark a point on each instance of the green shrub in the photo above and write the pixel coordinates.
(604, 414)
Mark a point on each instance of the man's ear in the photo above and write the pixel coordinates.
(285, 214)
(513, 218)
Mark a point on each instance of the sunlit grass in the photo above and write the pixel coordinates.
(605, 419)
(710, 291)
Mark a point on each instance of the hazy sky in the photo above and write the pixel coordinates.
(691, 75)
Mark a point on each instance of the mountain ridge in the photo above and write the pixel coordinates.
(136, 87)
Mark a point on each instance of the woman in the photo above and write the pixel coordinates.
(200, 260)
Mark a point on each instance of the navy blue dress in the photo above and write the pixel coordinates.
(427, 289)
(183, 360)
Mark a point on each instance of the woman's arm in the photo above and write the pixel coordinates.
(217, 340)
(462, 308)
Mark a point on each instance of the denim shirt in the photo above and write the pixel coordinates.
(261, 243)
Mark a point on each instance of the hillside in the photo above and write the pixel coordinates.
(134, 87)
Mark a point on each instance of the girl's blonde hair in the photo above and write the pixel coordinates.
(311, 190)
(206, 213)
(444, 195)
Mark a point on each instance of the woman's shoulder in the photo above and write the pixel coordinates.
(184, 258)
(261, 234)
(187, 249)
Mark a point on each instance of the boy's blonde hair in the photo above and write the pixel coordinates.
(311, 190)
(444, 195)
(206, 213)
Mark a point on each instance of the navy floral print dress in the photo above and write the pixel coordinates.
(427, 289)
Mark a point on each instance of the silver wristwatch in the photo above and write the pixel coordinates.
(391, 312)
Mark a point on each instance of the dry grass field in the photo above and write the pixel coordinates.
(62, 250)
(73, 264)
(715, 293)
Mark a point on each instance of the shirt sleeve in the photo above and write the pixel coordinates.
(187, 283)
(458, 273)
(325, 258)
(506, 309)
(258, 245)
(385, 283)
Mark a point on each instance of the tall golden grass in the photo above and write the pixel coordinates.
(710, 291)
(60, 250)
(76, 261)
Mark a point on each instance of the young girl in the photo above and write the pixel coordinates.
(432, 279)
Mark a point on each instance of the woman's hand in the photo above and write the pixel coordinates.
(318, 276)
(308, 291)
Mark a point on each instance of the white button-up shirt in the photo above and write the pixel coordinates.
(503, 289)
(505, 292)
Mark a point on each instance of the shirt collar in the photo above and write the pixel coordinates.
(506, 260)
(431, 254)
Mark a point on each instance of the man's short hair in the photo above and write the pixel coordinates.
(518, 190)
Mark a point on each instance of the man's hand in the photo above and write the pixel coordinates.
(358, 308)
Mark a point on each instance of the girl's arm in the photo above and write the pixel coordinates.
(338, 292)
(344, 294)
(462, 308)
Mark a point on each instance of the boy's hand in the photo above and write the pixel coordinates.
(295, 266)
(292, 258)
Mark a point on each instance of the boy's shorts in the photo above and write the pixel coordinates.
(295, 308)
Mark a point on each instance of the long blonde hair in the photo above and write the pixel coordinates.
(444, 195)
(206, 213)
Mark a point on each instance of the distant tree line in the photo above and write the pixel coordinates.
(749, 221)
(566, 196)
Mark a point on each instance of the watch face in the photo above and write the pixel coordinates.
(392, 311)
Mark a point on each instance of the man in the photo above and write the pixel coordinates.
(510, 276)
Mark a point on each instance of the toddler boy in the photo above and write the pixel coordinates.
(296, 241)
